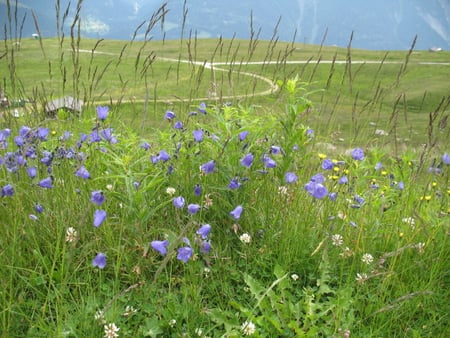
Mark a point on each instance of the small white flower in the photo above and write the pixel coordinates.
(248, 328)
(282, 190)
(71, 235)
(199, 332)
(100, 317)
(208, 201)
(294, 277)
(129, 310)
(420, 247)
(337, 240)
(341, 215)
(206, 271)
(245, 238)
(111, 330)
(170, 191)
(344, 333)
(346, 252)
(172, 323)
(361, 277)
(367, 258)
(410, 221)
(109, 187)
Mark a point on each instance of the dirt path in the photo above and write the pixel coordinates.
(272, 86)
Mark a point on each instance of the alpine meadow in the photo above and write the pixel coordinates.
(221, 187)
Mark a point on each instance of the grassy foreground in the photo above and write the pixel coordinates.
(221, 223)
(184, 203)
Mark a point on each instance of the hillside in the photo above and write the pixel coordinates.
(376, 25)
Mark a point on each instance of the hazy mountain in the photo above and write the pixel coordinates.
(381, 24)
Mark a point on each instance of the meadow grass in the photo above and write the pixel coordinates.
(277, 215)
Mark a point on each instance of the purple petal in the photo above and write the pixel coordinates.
(204, 230)
(160, 246)
(236, 212)
(99, 261)
(99, 217)
(184, 253)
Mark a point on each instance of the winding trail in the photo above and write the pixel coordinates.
(272, 86)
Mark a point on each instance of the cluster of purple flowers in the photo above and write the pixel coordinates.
(185, 252)
(31, 154)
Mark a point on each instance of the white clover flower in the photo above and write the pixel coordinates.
(420, 247)
(129, 311)
(71, 235)
(109, 187)
(245, 238)
(361, 277)
(294, 277)
(410, 221)
(100, 317)
(367, 258)
(172, 323)
(170, 191)
(208, 201)
(337, 240)
(282, 190)
(111, 330)
(341, 215)
(346, 252)
(248, 328)
(344, 333)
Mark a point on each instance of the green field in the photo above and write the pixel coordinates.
(356, 92)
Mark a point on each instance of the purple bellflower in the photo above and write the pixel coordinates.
(205, 247)
(204, 231)
(185, 253)
(234, 183)
(236, 212)
(178, 202)
(99, 261)
(7, 190)
(32, 171)
(247, 160)
(193, 208)
(243, 135)
(202, 108)
(327, 164)
(446, 159)
(102, 112)
(160, 246)
(357, 154)
(46, 183)
(198, 190)
(208, 167)
(290, 177)
(97, 197)
(198, 135)
(99, 217)
(83, 173)
(169, 115)
(269, 162)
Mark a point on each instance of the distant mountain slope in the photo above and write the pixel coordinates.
(381, 24)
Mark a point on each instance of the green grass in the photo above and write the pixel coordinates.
(356, 99)
(368, 259)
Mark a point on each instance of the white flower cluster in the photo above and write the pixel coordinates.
(248, 328)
